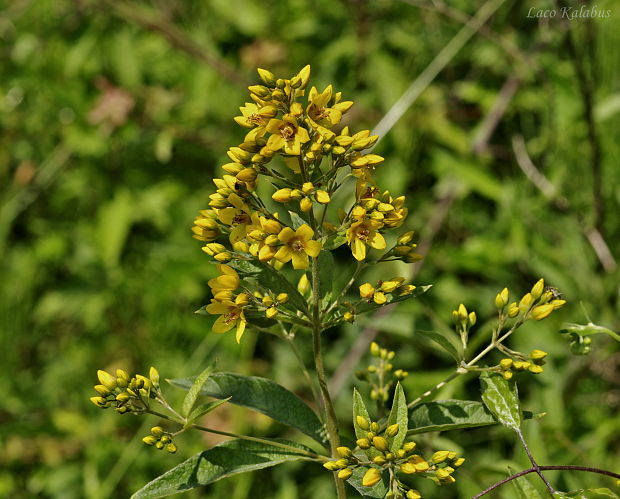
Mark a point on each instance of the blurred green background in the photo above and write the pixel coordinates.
(116, 115)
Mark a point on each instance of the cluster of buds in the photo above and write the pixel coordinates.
(463, 321)
(269, 303)
(306, 195)
(404, 460)
(160, 439)
(538, 304)
(381, 375)
(404, 249)
(520, 363)
(125, 393)
(383, 290)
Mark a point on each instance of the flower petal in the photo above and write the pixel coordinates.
(286, 234)
(358, 248)
(305, 232)
(377, 241)
(221, 326)
(240, 329)
(300, 260)
(284, 254)
(313, 248)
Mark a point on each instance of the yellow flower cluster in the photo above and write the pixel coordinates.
(381, 375)
(509, 366)
(127, 394)
(538, 304)
(160, 439)
(439, 468)
(381, 293)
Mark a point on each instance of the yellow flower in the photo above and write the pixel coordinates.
(364, 233)
(318, 112)
(231, 315)
(287, 134)
(298, 245)
(253, 115)
(237, 216)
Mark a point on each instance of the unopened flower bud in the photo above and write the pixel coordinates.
(371, 477)
(344, 452)
(363, 443)
(362, 422)
(392, 430)
(345, 474)
(542, 311)
(380, 443)
(538, 289)
(149, 440)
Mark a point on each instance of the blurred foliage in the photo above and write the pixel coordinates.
(114, 117)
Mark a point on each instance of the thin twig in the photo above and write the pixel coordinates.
(546, 468)
(440, 61)
(534, 175)
(492, 119)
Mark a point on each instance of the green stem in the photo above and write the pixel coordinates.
(273, 443)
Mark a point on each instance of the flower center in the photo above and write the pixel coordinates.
(297, 245)
(287, 131)
(240, 218)
(363, 234)
(231, 316)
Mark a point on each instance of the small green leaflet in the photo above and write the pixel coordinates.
(221, 461)
(194, 391)
(203, 409)
(398, 415)
(502, 399)
(443, 342)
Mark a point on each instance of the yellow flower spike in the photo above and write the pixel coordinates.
(371, 477)
(322, 197)
(440, 456)
(542, 311)
(345, 474)
(379, 298)
(305, 205)
(367, 291)
(298, 245)
(537, 289)
(526, 302)
(501, 299)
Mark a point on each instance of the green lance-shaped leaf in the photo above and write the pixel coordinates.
(601, 493)
(398, 415)
(443, 342)
(523, 488)
(272, 279)
(359, 410)
(444, 415)
(194, 391)
(221, 461)
(264, 396)
(369, 307)
(377, 491)
(502, 399)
